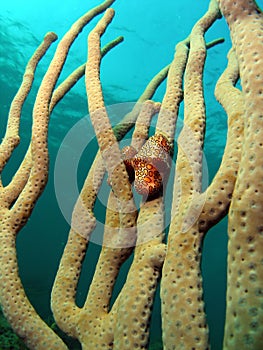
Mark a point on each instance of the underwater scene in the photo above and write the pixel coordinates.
(131, 204)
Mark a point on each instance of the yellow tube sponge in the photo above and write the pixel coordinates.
(244, 314)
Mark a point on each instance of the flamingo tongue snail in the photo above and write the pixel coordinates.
(150, 166)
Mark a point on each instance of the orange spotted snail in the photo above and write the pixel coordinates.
(149, 168)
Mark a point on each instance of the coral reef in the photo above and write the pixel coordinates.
(139, 233)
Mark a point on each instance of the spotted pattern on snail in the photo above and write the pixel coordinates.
(150, 166)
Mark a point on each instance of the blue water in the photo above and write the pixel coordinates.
(151, 30)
